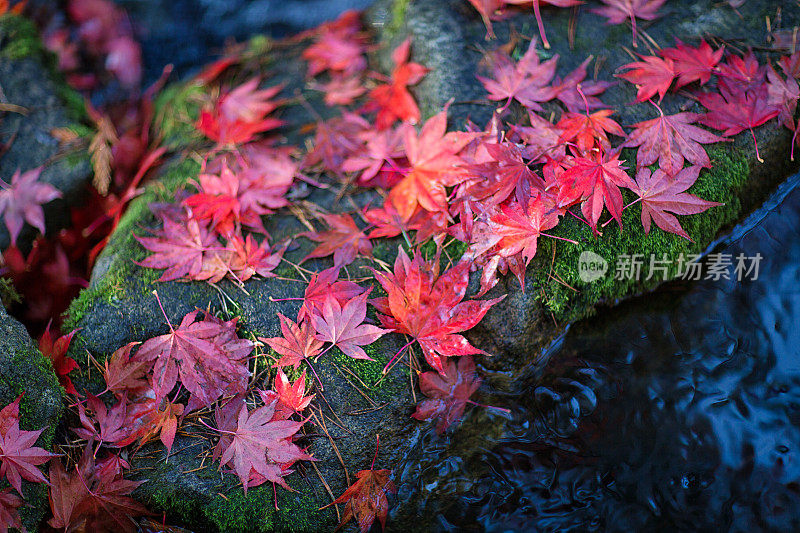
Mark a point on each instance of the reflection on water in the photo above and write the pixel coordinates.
(680, 410)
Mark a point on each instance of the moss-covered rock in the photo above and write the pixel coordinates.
(24, 370)
(30, 80)
(448, 37)
(119, 307)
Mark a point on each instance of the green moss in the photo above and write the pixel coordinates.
(723, 183)
(122, 250)
(8, 294)
(177, 109)
(19, 39)
(399, 10)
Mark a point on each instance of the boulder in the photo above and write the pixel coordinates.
(24, 370)
(29, 79)
(119, 306)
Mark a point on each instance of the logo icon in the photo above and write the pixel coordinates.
(591, 266)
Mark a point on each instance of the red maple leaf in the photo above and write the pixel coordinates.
(343, 239)
(538, 140)
(435, 165)
(291, 395)
(651, 75)
(618, 11)
(9, 516)
(236, 117)
(506, 173)
(791, 64)
(18, 455)
(342, 326)
(693, 64)
(56, 351)
(297, 343)
(342, 91)
(589, 131)
(338, 48)
(734, 110)
(249, 258)
(662, 195)
(260, 443)
(596, 183)
(206, 354)
(147, 419)
(566, 90)
(123, 373)
(393, 101)
(670, 140)
(382, 150)
(321, 286)
(337, 139)
(92, 497)
(110, 421)
(429, 307)
(448, 395)
(515, 228)
(744, 70)
(525, 81)
(21, 201)
(179, 247)
(489, 10)
(366, 499)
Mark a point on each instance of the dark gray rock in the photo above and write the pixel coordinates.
(28, 79)
(24, 370)
(119, 307)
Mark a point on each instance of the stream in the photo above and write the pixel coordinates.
(678, 410)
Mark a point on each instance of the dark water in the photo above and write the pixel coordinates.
(677, 411)
(190, 33)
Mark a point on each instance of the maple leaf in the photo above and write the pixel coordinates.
(337, 139)
(651, 75)
(791, 64)
(249, 258)
(147, 418)
(92, 497)
(236, 117)
(257, 439)
(323, 285)
(9, 503)
(434, 165)
(588, 131)
(366, 499)
(18, 455)
(393, 101)
(338, 47)
(123, 373)
(56, 351)
(693, 64)
(342, 326)
(507, 173)
(516, 227)
(297, 344)
(538, 15)
(205, 354)
(448, 396)
(110, 421)
(566, 90)
(382, 149)
(291, 395)
(179, 247)
(21, 201)
(783, 94)
(343, 239)
(662, 195)
(744, 70)
(735, 110)
(617, 11)
(525, 81)
(341, 91)
(596, 183)
(488, 10)
(429, 307)
(538, 139)
(670, 140)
